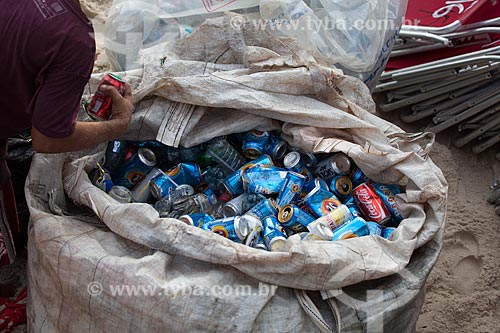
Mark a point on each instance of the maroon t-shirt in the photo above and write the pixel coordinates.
(46, 59)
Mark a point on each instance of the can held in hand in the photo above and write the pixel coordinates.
(293, 161)
(371, 206)
(142, 191)
(264, 179)
(274, 235)
(136, 168)
(254, 144)
(294, 218)
(291, 189)
(356, 228)
(100, 104)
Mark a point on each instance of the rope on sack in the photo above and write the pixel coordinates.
(312, 311)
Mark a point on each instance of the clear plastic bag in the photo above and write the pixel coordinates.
(356, 36)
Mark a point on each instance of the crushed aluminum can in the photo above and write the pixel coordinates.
(264, 209)
(161, 186)
(387, 232)
(334, 219)
(274, 235)
(356, 228)
(135, 168)
(293, 161)
(185, 173)
(254, 144)
(320, 202)
(197, 220)
(295, 219)
(229, 227)
(291, 189)
(370, 204)
(276, 148)
(236, 207)
(388, 195)
(358, 177)
(375, 229)
(234, 182)
(264, 179)
(142, 191)
(337, 164)
(341, 186)
(121, 194)
(100, 103)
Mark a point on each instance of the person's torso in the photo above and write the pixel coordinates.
(35, 34)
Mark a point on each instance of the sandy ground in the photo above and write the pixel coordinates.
(463, 290)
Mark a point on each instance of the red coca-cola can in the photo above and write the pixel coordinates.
(100, 104)
(371, 206)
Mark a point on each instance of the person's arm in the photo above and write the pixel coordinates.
(89, 134)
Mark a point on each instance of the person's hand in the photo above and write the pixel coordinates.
(123, 106)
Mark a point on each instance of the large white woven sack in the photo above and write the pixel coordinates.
(219, 81)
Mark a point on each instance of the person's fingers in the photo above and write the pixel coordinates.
(128, 90)
(111, 92)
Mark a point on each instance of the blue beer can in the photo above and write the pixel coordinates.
(312, 184)
(161, 185)
(293, 161)
(274, 234)
(387, 232)
(375, 229)
(263, 209)
(294, 218)
(341, 186)
(291, 189)
(185, 173)
(320, 202)
(387, 194)
(276, 148)
(136, 168)
(197, 220)
(358, 178)
(234, 182)
(356, 228)
(264, 179)
(254, 144)
(229, 227)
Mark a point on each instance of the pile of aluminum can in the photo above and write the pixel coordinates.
(252, 188)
